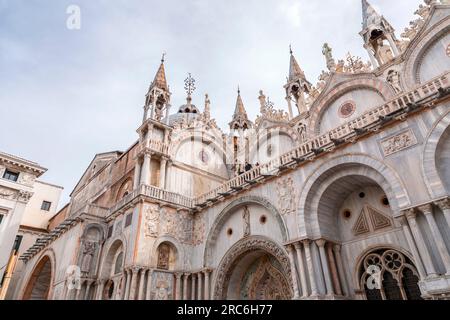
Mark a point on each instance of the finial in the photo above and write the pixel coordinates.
(163, 57)
(189, 84)
(239, 90)
(290, 49)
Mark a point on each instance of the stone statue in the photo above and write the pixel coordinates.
(394, 79)
(328, 53)
(88, 255)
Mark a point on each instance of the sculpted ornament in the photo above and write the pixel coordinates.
(287, 196)
(199, 230)
(7, 194)
(399, 142)
(151, 221)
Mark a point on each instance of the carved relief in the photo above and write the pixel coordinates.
(287, 196)
(399, 142)
(246, 219)
(199, 230)
(371, 219)
(151, 215)
(8, 194)
(162, 284)
(226, 267)
(27, 179)
(163, 256)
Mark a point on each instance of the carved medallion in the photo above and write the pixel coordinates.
(347, 109)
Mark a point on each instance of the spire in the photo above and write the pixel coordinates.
(295, 71)
(369, 14)
(240, 118)
(160, 80)
(240, 109)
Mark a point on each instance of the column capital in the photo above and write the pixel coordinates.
(426, 209)
(297, 246)
(306, 241)
(443, 204)
(135, 269)
(186, 274)
(207, 270)
(402, 220)
(290, 248)
(337, 248)
(410, 214)
(321, 243)
(178, 275)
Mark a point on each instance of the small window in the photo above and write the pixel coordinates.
(10, 175)
(110, 231)
(17, 243)
(46, 205)
(1, 218)
(128, 220)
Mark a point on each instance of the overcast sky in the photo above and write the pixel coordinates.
(66, 95)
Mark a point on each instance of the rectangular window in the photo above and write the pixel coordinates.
(17, 243)
(1, 218)
(11, 176)
(128, 220)
(46, 205)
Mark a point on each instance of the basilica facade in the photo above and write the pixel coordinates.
(346, 195)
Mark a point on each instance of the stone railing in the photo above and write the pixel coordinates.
(154, 146)
(328, 141)
(167, 196)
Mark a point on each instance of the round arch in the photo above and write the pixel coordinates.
(229, 209)
(39, 285)
(318, 109)
(240, 249)
(343, 166)
(110, 253)
(175, 244)
(416, 51)
(430, 174)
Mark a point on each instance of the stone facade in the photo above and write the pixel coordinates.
(349, 199)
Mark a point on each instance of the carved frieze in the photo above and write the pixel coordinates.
(8, 194)
(398, 143)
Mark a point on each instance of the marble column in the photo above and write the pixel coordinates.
(141, 284)
(341, 270)
(185, 286)
(78, 294)
(333, 269)
(326, 271)
(134, 274)
(393, 45)
(420, 242)
(88, 288)
(437, 236)
(126, 294)
(149, 285)
(100, 287)
(207, 289)
(309, 263)
(177, 286)
(444, 205)
(409, 238)
(199, 286)
(137, 174)
(146, 170)
(162, 174)
(302, 270)
(193, 287)
(291, 253)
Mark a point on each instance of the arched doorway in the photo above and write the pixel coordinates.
(388, 274)
(38, 287)
(254, 269)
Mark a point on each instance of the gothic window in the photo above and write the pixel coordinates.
(389, 275)
(163, 256)
(119, 263)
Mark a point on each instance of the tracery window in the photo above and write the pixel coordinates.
(389, 275)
